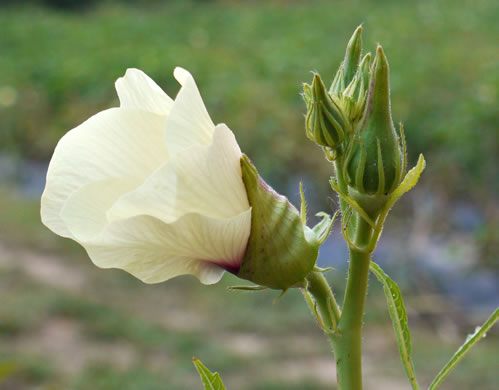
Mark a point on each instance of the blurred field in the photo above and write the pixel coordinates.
(64, 324)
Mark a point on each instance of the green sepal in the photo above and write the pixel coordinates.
(281, 249)
(211, 381)
(303, 206)
(351, 202)
(324, 227)
(323, 270)
(247, 288)
(410, 180)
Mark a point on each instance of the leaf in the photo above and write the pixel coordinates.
(471, 340)
(211, 381)
(398, 315)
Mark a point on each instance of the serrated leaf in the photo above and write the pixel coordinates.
(398, 315)
(211, 380)
(471, 340)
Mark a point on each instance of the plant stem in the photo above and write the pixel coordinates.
(348, 346)
(324, 297)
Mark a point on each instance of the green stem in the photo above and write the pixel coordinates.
(348, 347)
(324, 297)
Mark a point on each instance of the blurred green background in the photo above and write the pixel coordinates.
(66, 325)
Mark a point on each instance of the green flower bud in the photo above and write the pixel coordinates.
(325, 122)
(350, 63)
(374, 162)
(338, 84)
(355, 95)
(281, 249)
(352, 55)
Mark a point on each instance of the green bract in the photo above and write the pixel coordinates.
(281, 249)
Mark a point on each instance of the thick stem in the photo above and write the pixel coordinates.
(348, 346)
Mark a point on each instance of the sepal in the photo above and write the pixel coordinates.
(324, 227)
(281, 249)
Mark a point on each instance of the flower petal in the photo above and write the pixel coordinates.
(116, 143)
(84, 213)
(138, 90)
(154, 251)
(188, 122)
(201, 179)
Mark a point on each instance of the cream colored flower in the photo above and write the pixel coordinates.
(152, 187)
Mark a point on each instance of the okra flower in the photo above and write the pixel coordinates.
(155, 188)
(152, 187)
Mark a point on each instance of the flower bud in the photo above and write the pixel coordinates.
(355, 95)
(325, 121)
(352, 55)
(281, 249)
(350, 63)
(374, 158)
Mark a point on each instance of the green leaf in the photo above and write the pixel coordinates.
(398, 315)
(471, 340)
(211, 381)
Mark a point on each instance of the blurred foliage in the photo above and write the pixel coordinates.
(250, 59)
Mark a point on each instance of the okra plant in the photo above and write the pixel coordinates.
(155, 188)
